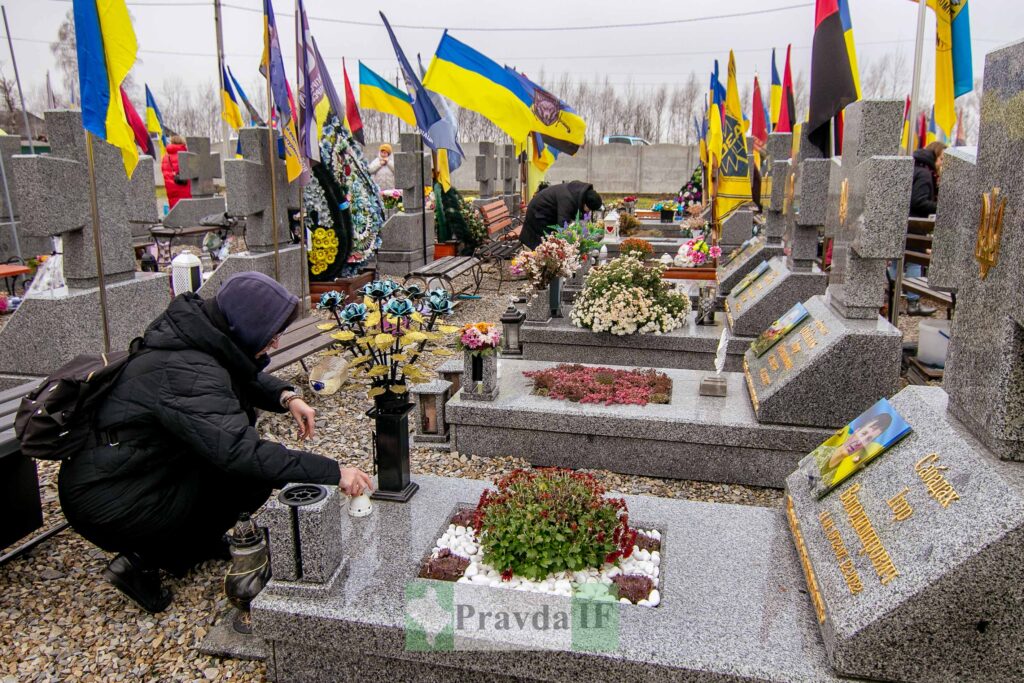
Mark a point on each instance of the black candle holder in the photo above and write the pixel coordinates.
(391, 450)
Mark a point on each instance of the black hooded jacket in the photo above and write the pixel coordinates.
(924, 196)
(553, 205)
(181, 412)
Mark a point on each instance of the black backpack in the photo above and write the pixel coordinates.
(55, 420)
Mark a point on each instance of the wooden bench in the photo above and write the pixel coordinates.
(502, 237)
(20, 503)
(918, 249)
(221, 223)
(444, 270)
(301, 339)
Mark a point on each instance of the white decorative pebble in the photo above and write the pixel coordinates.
(480, 580)
(470, 548)
(460, 531)
(625, 601)
(656, 558)
(644, 603)
(472, 570)
(654, 599)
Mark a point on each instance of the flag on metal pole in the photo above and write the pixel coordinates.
(106, 46)
(734, 171)
(155, 122)
(352, 118)
(311, 87)
(787, 105)
(142, 138)
(758, 125)
(954, 74)
(775, 96)
(833, 83)
(254, 116)
(272, 68)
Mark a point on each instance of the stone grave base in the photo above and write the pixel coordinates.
(750, 318)
(945, 519)
(691, 347)
(188, 212)
(730, 275)
(224, 641)
(290, 258)
(662, 245)
(851, 364)
(733, 607)
(696, 437)
(48, 330)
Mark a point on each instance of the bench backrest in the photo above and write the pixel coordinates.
(496, 217)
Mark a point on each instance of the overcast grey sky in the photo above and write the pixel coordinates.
(177, 38)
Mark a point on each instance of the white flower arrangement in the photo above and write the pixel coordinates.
(628, 296)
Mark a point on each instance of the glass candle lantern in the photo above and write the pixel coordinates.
(511, 324)
(429, 414)
(431, 423)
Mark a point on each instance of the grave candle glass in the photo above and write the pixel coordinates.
(511, 322)
(429, 425)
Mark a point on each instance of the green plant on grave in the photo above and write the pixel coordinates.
(540, 522)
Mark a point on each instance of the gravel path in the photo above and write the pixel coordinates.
(59, 621)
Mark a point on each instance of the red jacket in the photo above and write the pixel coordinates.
(170, 169)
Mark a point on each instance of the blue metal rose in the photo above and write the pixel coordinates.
(331, 300)
(354, 313)
(439, 304)
(399, 308)
(413, 292)
(379, 289)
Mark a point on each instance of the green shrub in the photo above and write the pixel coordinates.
(544, 521)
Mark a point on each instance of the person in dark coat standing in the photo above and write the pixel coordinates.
(177, 187)
(176, 457)
(924, 197)
(555, 205)
(927, 167)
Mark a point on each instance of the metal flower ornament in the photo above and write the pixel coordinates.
(386, 335)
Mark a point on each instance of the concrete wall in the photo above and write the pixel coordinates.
(620, 169)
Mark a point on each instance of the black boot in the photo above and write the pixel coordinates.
(128, 574)
(915, 307)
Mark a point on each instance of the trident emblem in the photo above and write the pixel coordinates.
(844, 201)
(990, 230)
(790, 191)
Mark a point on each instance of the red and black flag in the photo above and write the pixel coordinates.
(787, 110)
(352, 118)
(833, 82)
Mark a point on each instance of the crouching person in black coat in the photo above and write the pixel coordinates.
(554, 206)
(176, 457)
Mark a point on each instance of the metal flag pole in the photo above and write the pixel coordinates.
(17, 79)
(96, 240)
(423, 201)
(272, 165)
(10, 208)
(225, 133)
(915, 88)
(301, 80)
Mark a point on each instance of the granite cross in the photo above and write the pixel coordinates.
(779, 147)
(248, 191)
(978, 242)
(869, 196)
(199, 166)
(409, 178)
(54, 196)
(806, 191)
(509, 169)
(487, 169)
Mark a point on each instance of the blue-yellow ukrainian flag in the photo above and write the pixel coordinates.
(851, 50)
(377, 94)
(954, 73)
(474, 81)
(734, 170)
(229, 109)
(775, 94)
(106, 47)
(716, 104)
(155, 122)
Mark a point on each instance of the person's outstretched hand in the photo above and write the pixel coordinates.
(354, 481)
(305, 418)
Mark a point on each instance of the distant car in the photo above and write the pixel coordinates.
(625, 140)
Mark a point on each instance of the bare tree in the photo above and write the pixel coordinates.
(65, 52)
(7, 91)
(886, 77)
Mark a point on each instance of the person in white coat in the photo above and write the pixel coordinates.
(383, 168)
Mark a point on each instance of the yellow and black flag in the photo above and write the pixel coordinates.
(734, 170)
(833, 79)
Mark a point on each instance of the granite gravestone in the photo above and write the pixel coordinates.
(487, 174)
(10, 145)
(69, 319)
(769, 244)
(405, 234)
(797, 276)
(248, 187)
(508, 170)
(199, 166)
(838, 361)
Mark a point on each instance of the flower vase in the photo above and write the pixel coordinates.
(480, 380)
(555, 297)
(630, 207)
(538, 308)
(391, 447)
